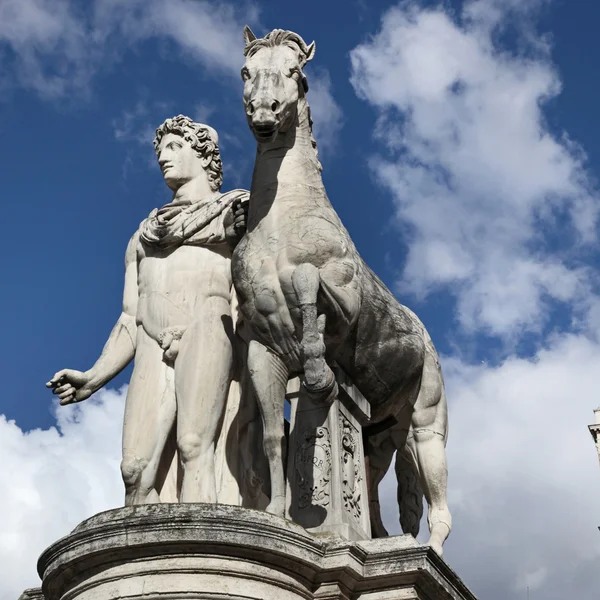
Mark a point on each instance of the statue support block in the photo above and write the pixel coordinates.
(326, 476)
(203, 551)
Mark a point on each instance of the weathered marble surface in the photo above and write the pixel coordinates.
(32, 594)
(177, 322)
(202, 551)
(308, 299)
(326, 474)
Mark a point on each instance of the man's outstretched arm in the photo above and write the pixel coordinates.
(74, 386)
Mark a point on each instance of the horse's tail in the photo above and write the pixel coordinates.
(410, 493)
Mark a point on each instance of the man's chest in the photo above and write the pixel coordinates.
(166, 264)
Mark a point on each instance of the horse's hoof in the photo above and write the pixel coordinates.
(326, 393)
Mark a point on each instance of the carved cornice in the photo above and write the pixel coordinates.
(175, 540)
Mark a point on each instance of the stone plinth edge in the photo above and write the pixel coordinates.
(202, 551)
(32, 594)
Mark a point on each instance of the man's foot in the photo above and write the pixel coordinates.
(437, 537)
(276, 507)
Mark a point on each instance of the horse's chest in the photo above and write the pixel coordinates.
(294, 239)
(257, 276)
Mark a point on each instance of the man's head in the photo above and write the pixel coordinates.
(185, 150)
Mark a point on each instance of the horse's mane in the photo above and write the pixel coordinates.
(313, 141)
(278, 37)
(282, 37)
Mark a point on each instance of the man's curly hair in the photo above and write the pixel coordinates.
(203, 139)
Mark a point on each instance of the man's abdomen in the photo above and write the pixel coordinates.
(173, 289)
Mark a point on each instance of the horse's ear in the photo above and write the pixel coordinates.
(248, 35)
(310, 51)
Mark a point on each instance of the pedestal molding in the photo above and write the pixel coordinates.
(145, 551)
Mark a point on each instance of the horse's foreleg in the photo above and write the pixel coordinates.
(269, 377)
(427, 443)
(319, 379)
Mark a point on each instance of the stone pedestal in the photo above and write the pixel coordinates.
(32, 594)
(326, 477)
(206, 552)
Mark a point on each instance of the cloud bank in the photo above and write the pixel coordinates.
(479, 180)
(498, 209)
(54, 479)
(524, 479)
(56, 47)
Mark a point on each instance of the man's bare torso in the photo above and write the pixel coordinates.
(174, 284)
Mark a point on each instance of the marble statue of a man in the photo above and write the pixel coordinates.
(176, 322)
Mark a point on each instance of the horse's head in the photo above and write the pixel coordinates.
(274, 81)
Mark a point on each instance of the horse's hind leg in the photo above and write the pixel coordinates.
(319, 379)
(427, 442)
(269, 377)
(380, 450)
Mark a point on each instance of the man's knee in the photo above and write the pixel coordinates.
(132, 468)
(192, 446)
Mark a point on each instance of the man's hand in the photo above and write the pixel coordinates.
(235, 221)
(71, 386)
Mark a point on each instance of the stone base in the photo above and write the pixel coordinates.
(326, 478)
(200, 551)
(32, 594)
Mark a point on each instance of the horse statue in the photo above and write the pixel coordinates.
(308, 300)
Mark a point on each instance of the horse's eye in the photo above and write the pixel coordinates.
(294, 74)
(245, 74)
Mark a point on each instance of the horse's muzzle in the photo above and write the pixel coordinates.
(264, 130)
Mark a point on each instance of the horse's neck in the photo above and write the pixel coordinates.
(290, 160)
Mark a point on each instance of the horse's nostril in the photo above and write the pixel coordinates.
(275, 106)
(250, 109)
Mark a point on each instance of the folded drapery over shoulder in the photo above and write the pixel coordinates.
(193, 223)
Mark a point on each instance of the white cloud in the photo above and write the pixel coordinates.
(325, 111)
(133, 126)
(524, 479)
(55, 48)
(477, 177)
(203, 112)
(55, 478)
(32, 29)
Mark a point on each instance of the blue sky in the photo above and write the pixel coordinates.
(460, 148)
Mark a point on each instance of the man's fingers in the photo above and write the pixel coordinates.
(70, 391)
(166, 341)
(67, 400)
(173, 350)
(62, 388)
(57, 377)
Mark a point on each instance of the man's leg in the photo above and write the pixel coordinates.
(202, 377)
(149, 417)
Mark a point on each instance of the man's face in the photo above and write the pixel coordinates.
(178, 161)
